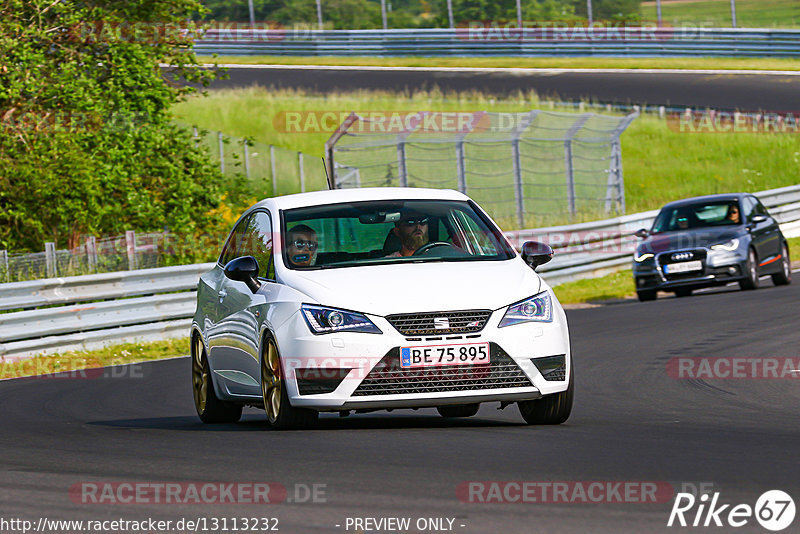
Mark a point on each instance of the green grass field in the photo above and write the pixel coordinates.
(660, 165)
(717, 13)
(522, 62)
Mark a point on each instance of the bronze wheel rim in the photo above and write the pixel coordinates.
(271, 383)
(199, 376)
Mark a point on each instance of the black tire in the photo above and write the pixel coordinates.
(751, 280)
(458, 410)
(683, 292)
(551, 409)
(209, 408)
(784, 278)
(281, 415)
(646, 294)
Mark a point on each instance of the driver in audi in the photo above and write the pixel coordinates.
(412, 231)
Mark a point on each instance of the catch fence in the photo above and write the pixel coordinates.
(521, 167)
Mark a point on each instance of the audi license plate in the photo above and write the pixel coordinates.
(436, 355)
(684, 267)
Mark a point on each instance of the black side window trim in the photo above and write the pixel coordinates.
(242, 221)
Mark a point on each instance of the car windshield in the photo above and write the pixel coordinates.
(382, 232)
(699, 215)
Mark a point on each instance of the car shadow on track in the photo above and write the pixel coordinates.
(256, 422)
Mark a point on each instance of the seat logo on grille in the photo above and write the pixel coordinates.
(680, 256)
(441, 323)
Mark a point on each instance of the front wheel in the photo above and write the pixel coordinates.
(646, 294)
(280, 414)
(551, 409)
(784, 278)
(209, 408)
(751, 282)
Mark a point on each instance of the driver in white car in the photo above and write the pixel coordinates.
(412, 231)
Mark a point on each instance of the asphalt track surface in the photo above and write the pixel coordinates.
(717, 90)
(631, 422)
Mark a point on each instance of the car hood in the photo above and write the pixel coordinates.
(688, 239)
(418, 287)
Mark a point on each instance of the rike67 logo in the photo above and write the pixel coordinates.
(774, 510)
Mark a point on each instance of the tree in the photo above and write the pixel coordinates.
(87, 145)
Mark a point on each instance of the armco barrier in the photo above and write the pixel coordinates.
(84, 312)
(481, 41)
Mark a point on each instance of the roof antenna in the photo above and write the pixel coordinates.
(324, 166)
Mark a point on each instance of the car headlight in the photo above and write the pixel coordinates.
(643, 257)
(322, 320)
(733, 244)
(538, 308)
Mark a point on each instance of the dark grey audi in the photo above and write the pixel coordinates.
(707, 241)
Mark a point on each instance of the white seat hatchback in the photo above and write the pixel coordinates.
(371, 299)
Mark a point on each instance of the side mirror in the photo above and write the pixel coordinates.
(244, 269)
(759, 218)
(641, 233)
(536, 254)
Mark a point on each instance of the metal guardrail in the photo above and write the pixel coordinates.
(484, 41)
(84, 312)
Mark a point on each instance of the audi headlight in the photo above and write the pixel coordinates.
(733, 244)
(322, 320)
(538, 308)
(643, 257)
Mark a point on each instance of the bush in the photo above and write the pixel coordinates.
(87, 145)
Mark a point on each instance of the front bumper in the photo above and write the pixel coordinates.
(718, 268)
(352, 358)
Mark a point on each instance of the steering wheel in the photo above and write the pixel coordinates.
(425, 248)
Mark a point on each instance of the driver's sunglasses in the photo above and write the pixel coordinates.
(413, 222)
(301, 244)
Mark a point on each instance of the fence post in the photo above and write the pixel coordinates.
(518, 192)
(130, 245)
(460, 168)
(4, 263)
(246, 160)
(91, 253)
(302, 172)
(50, 259)
(221, 153)
(196, 137)
(570, 171)
(401, 164)
(272, 169)
(615, 186)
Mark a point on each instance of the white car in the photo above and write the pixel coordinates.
(372, 299)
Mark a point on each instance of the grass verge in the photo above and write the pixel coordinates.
(522, 62)
(70, 362)
(660, 164)
(617, 285)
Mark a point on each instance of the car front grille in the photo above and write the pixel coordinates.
(665, 258)
(389, 378)
(439, 323)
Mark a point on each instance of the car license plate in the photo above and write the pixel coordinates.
(437, 355)
(684, 267)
